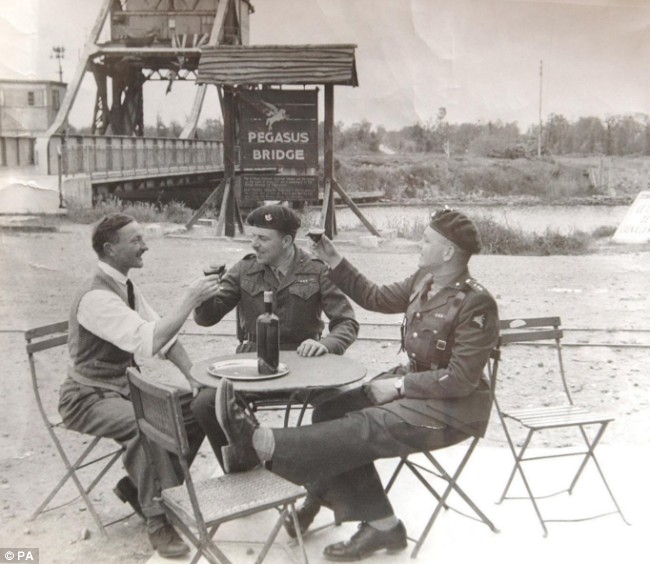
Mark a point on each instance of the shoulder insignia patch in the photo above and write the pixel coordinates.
(479, 321)
(474, 285)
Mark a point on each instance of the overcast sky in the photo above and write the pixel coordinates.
(479, 59)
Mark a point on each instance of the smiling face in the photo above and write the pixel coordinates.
(435, 250)
(270, 246)
(126, 251)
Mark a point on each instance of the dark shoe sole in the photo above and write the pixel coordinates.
(351, 558)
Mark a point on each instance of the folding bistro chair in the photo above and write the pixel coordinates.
(42, 339)
(199, 509)
(435, 471)
(561, 414)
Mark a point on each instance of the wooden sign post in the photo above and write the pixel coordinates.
(274, 124)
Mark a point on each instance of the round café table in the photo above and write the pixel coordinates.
(306, 374)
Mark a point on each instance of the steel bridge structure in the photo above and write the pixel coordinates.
(148, 40)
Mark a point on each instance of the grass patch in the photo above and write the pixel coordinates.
(143, 212)
(498, 239)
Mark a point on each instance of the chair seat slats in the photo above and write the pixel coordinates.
(541, 418)
(234, 495)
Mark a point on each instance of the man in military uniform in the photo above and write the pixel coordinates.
(441, 397)
(301, 290)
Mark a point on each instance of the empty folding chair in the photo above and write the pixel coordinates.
(42, 339)
(434, 471)
(589, 426)
(198, 510)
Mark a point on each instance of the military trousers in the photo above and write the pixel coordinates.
(334, 457)
(105, 413)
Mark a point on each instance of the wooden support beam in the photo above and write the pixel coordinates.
(223, 212)
(328, 221)
(205, 205)
(354, 208)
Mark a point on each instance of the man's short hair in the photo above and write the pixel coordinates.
(106, 230)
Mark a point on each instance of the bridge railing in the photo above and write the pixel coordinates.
(114, 156)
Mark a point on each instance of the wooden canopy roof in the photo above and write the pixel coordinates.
(278, 64)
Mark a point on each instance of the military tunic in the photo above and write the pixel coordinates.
(303, 294)
(456, 391)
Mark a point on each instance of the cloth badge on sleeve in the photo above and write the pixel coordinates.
(479, 321)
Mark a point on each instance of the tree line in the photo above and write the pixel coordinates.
(615, 135)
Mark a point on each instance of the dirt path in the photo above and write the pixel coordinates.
(38, 274)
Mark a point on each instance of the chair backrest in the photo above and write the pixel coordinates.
(543, 330)
(40, 339)
(159, 417)
(158, 414)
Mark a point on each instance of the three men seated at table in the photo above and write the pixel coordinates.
(438, 399)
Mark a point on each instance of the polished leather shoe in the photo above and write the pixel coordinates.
(167, 542)
(238, 426)
(365, 542)
(126, 491)
(306, 514)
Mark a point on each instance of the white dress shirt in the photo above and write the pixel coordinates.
(105, 315)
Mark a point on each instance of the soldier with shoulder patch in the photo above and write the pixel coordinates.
(439, 398)
(302, 292)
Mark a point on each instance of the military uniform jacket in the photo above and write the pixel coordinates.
(456, 393)
(303, 294)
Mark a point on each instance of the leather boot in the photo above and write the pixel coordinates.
(305, 513)
(365, 542)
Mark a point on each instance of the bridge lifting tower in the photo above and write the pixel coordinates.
(149, 40)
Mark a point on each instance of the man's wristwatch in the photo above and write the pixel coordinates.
(399, 386)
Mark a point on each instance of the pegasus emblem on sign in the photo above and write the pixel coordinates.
(273, 114)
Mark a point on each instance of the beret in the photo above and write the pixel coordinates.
(456, 227)
(275, 216)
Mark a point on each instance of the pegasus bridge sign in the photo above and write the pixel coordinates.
(279, 129)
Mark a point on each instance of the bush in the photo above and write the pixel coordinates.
(498, 239)
(143, 212)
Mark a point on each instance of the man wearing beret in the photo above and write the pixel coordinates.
(302, 292)
(441, 397)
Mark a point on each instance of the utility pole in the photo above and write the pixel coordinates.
(539, 131)
(58, 53)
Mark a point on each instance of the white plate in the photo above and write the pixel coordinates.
(243, 369)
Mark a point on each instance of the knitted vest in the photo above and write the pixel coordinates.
(95, 359)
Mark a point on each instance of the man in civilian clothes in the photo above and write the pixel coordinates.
(110, 322)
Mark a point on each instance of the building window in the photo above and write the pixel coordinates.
(56, 100)
(30, 98)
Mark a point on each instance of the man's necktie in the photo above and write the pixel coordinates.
(130, 294)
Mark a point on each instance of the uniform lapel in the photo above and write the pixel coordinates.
(445, 294)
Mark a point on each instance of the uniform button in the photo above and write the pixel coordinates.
(412, 355)
(417, 315)
(415, 334)
(435, 331)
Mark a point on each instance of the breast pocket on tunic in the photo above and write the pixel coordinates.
(304, 290)
(251, 286)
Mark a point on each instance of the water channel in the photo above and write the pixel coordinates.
(529, 218)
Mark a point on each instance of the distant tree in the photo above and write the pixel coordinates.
(557, 138)
(212, 128)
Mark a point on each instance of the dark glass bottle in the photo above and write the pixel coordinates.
(268, 338)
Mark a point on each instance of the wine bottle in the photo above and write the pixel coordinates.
(267, 328)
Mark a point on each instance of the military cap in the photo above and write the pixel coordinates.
(275, 217)
(456, 227)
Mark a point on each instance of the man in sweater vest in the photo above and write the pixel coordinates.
(110, 322)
